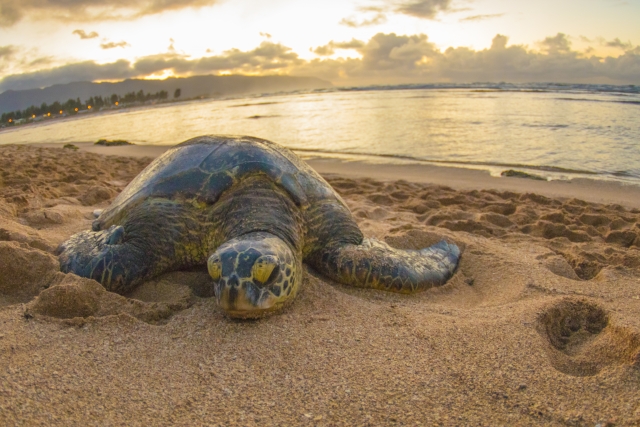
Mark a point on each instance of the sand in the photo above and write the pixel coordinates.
(539, 326)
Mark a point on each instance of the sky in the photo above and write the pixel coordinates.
(347, 42)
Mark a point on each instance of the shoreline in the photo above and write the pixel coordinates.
(458, 178)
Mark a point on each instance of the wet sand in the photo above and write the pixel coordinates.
(539, 326)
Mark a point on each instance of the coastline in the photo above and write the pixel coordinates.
(459, 178)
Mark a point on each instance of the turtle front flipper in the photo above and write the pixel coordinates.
(106, 258)
(158, 236)
(374, 264)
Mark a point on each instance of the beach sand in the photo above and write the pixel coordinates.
(539, 326)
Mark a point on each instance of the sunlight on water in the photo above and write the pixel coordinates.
(572, 131)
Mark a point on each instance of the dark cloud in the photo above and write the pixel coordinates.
(379, 18)
(558, 44)
(12, 11)
(6, 55)
(389, 51)
(80, 71)
(83, 35)
(9, 13)
(427, 9)
(7, 51)
(266, 58)
(392, 59)
(111, 45)
(482, 17)
(39, 62)
(384, 59)
(619, 44)
(329, 48)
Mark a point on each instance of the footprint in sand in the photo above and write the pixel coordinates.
(582, 339)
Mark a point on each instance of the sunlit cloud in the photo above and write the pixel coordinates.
(111, 45)
(330, 48)
(426, 9)
(12, 11)
(383, 59)
(482, 17)
(378, 18)
(83, 35)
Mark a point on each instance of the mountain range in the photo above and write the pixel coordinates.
(190, 87)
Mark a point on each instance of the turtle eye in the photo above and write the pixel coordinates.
(215, 267)
(263, 268)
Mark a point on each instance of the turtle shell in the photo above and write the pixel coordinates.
(203, 168)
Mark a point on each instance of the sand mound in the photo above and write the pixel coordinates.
(24, 272)
(78, 297)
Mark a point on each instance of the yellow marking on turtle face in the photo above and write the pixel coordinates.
(262, 269)
(215, 269)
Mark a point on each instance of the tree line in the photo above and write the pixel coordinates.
(75, 106)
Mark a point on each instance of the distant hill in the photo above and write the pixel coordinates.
(190, 87)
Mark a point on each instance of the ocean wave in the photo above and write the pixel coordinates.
(499, 87)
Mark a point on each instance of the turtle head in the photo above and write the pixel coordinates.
(255, 275)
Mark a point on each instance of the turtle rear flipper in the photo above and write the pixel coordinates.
(376, 265)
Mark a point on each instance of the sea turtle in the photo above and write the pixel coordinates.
(253, 212)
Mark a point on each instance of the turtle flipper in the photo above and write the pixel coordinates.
(374, 264)
(158, 236)
(104, 257)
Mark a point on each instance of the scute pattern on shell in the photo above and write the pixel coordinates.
(202, 168)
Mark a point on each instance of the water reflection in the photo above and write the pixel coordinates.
(584, 131)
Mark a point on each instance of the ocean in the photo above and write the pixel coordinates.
(557, 131)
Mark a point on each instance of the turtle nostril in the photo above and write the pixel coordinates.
(233, 281)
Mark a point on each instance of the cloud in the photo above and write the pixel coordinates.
(384, 59)
(426, 9)
(393, 59)
(7, 51)
(6, 55)
(83, 35)
(77, 72)
(12, 11)
(267, 35)
(558, 44)
(379, 18)
(111, 45)
(482, 17)
(619, 44)
(329, 48)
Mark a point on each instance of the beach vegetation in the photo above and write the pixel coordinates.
(76, 106)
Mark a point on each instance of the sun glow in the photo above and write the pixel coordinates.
(164, 74)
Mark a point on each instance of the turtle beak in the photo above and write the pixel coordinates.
(241, 299)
